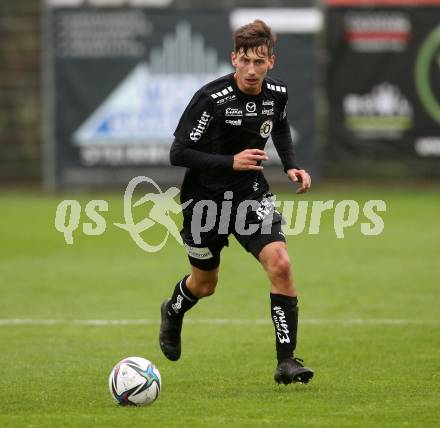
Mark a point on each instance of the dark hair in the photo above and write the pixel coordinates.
(253, 36)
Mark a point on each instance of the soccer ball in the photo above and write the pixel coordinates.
(134, 381)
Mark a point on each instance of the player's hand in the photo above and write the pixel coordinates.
(300, 176)
(248, 159)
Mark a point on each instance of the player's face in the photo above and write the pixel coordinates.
(251, 68)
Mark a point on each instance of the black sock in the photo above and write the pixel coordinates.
(284, 311)
(181, 301)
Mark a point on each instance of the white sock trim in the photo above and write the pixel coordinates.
(184, 295)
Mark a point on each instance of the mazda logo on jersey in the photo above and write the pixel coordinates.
(266, 128)
(201, 127)
(251, 107)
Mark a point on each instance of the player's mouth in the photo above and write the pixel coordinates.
(251, 81)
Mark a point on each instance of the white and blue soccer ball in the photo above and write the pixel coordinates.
(135, 381)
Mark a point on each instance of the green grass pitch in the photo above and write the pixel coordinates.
(369, 323)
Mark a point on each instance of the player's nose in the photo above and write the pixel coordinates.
(251, 69)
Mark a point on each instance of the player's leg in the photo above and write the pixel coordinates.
(284, 310)
(270, 250)
(201, 282)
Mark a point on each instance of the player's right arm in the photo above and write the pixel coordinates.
(191, 147)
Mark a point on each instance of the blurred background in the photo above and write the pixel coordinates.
(91, 91)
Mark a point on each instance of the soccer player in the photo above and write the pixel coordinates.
(220, 139)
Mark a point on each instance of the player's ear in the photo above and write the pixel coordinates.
(234, 59)
(271, 61)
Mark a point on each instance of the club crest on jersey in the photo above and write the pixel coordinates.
(266, 128)
(202, 126)
(251, 108)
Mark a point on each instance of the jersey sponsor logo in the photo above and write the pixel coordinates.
(233, 112)
(266, 128)
(268, 103)
(267, 207)
(202, 126)
(198, 253)
(268, 111)
(226, 99)
(251, 107)
(236, 122)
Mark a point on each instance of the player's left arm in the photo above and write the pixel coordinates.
(283, 142)
(300, 176)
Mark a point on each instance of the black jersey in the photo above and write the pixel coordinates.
(221, 121)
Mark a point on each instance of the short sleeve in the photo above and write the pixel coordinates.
(195, 120)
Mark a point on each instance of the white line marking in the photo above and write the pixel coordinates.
(216, 321)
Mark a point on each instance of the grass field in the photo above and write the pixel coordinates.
(369, 326)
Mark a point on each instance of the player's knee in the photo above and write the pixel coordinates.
(279, 267)
(206, 287)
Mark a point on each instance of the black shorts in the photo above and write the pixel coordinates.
(205, 254)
